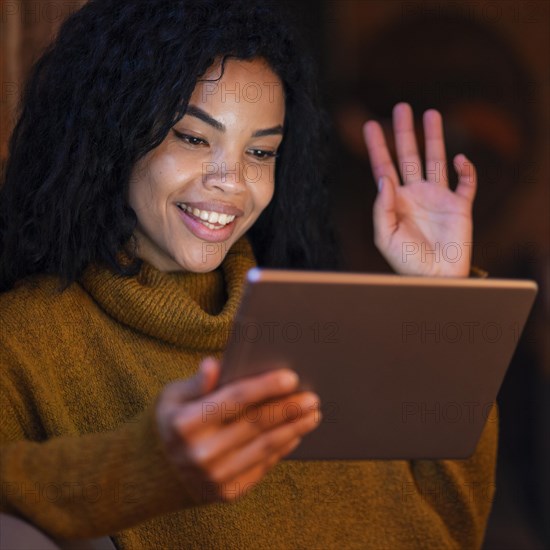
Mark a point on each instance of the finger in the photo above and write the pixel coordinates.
(384, 212)
(405, 144)
(467, 178)
(262, 449)
(227, 403)
(242, 484)
(436, 160)
(380, 158)
(256, 421)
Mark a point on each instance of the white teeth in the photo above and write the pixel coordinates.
(208, 218)
(210, 226)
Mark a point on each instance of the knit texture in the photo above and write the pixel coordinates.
(81, 456)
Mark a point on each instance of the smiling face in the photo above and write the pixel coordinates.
(207, 183)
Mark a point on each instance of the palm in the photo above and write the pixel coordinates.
(421, 227)
(434, 231)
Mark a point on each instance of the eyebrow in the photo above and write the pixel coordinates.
(197, 112)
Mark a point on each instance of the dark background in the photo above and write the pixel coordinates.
(486, 66)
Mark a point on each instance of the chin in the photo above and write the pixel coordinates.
(199, 264)
(209, 256)
(203, 267)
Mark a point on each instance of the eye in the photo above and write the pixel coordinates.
(191, 140)
(263, 155)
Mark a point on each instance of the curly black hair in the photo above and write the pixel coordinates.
(110, 87)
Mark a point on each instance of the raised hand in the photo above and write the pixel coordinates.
(421, 227)
(223, 442)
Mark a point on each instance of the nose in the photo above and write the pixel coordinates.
(227, 174)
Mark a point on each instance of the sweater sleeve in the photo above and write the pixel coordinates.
(77, 487)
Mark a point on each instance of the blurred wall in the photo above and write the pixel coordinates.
(512, 218)
(26, 28)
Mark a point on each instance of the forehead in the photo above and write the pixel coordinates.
(244, 84)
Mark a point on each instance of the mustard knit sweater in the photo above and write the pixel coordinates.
(81, 458)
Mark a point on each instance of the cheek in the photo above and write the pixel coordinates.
(141, 196)
(152, 184)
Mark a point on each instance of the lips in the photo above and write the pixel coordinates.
(203, 232)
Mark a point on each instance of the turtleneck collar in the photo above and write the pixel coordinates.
(192, 310)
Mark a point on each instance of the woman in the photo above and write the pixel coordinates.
(163, 149)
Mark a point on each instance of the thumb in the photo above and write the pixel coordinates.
(202, 383)
(208, 375)
(384, 214)
(205, 380)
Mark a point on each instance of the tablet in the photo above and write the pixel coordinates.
(406, 367)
